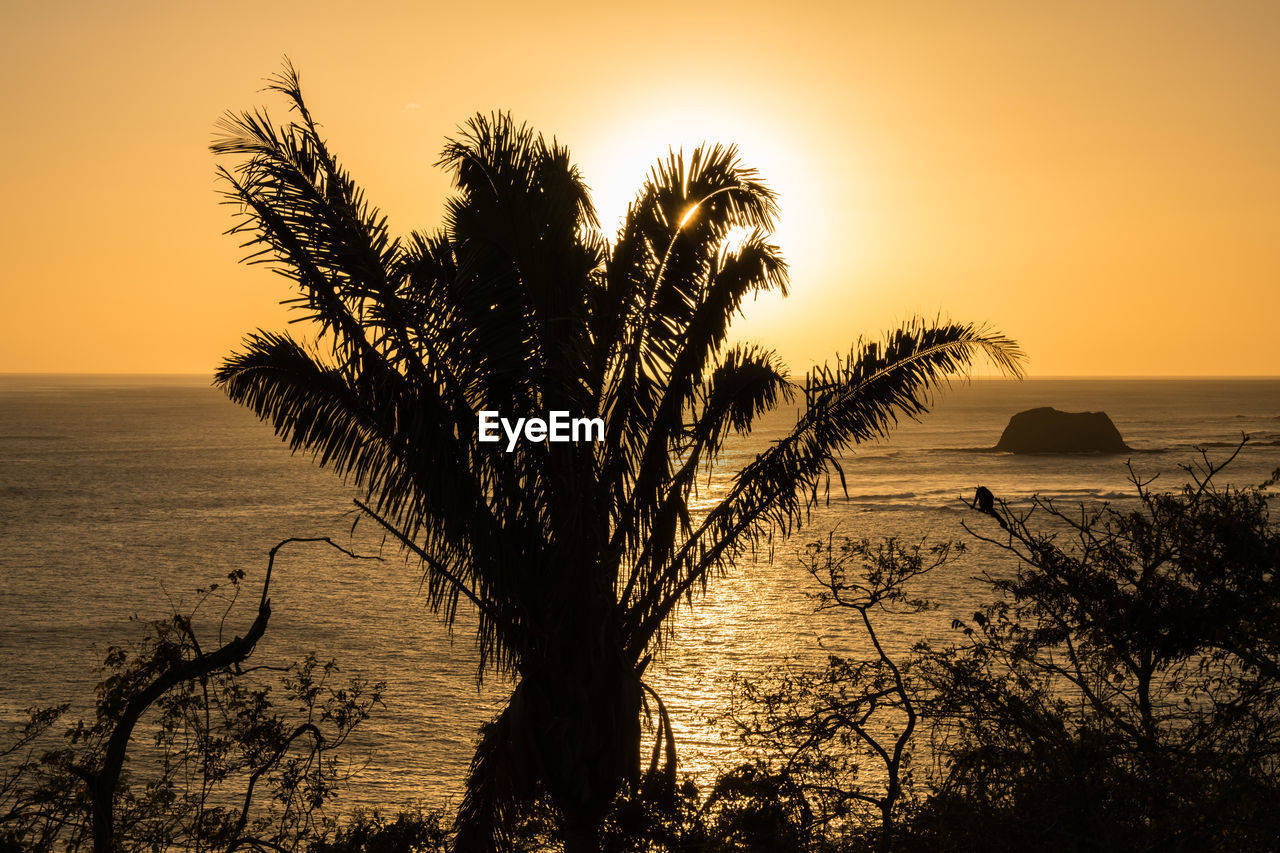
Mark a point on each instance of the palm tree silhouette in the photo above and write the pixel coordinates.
(573, 555)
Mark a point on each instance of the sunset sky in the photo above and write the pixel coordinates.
(1100, 180)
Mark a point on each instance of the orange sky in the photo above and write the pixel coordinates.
(1100, 180)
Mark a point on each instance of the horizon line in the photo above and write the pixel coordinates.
(1115, 376)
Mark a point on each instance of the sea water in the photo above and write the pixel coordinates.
(121, 496)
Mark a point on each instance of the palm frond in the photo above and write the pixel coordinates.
(307, 216)
(749, 382)
(753, 265)
(671, 287)
(856, 401)
(391, 442)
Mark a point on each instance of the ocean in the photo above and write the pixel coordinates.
(120, 496)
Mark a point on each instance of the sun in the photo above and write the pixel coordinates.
(619, 156)
(825, 209)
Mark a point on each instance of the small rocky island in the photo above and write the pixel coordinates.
(1047, 430)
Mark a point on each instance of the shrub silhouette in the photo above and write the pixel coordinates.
(226, 765)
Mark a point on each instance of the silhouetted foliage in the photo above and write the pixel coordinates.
(1119, 694)
(228, 763)
(1122, 694)
(573, 555)
(835, 746)
(370, 832)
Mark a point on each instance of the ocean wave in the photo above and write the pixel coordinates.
(1218, 445)
(22, 491)
(909, 507)
(949, 503)
(869, 499)
(992, 450)
(864, 455)
(1060, 495)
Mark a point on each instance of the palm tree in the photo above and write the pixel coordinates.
(573, 555)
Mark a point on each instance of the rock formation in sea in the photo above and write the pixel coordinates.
(1047, 430)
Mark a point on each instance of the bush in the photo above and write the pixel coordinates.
(1122, 693)
(228, 763)
(370, 832)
